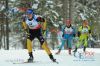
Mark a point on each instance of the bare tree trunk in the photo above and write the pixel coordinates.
(7, 27)
(65, 9)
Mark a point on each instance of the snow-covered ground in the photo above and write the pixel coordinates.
(8, 57)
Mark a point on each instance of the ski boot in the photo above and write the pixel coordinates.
(52, 58)
(84, 49)
(58, 51)
(69, 50)
(75, 51)
(30, 58)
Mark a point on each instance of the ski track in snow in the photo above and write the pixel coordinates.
(8, 57)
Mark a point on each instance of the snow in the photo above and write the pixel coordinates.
(56, 25)
(13, 0)
(7, 57)
(82, 16)
(50, 2)
(37, 1)
(60, 5)
(35, 6)
(2, 7)
(55, 13)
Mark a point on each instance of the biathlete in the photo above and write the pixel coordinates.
(33, 28)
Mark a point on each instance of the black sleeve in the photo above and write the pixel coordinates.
(63, 35)
(74, 34)
(79, 33)
(40, 19)
(23, 18)
(89, 31)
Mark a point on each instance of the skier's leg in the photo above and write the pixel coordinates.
(78, 45)
(61, 46)
(29, 47)
(85, 44)
(69, 45)
(45, 47)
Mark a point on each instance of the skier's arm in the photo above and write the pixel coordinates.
(79, 31)
(89, 30)
(74, 32)
(44, 27)
(24, 25)
(40, 19)
(63, 31)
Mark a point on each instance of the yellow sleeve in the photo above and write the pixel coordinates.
(24, 25)
(89, 28)
(44, 25)
(80, 29)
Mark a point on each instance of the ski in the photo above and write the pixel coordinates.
(30, 62)
(56, 62)
(74, 54)
(24, 62)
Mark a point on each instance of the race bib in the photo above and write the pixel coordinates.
(84, 30)
(32, 24)
(68, 30)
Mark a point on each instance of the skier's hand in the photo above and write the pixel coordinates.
(26, 32)
(63, 35)
(43, 32)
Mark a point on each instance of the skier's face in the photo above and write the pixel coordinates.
(85, 23)
(68, 23)
(29, 16)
